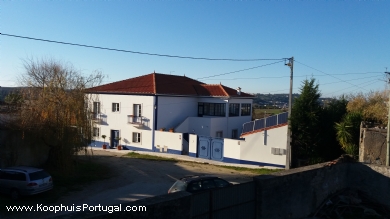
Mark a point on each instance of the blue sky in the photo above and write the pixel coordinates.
(344, 45)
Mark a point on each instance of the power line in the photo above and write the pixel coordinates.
(241, 70)
(331, 83)
(329, 74)
(140, 53)
(373, 81)
(295, 76)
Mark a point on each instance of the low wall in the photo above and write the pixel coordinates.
(295, 193)
(193, 145)
(298, 192)
(172, 141)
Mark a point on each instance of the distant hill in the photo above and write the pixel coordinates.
(276, 100)
(4, 91)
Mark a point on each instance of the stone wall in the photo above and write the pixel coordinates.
(372, 179)
(298, 192)
(372, 148)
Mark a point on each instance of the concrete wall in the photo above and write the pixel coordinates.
(173, 142)
(372, 148)
(295, 193)
(252, 150)
(193, 145)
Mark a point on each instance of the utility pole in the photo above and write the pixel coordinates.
(288, 154)
(388, 128)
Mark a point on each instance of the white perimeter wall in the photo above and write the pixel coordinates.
(118, 120)
(173, 141)
(193, 144)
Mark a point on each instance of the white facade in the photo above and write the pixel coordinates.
(120, 115)
(111, 120)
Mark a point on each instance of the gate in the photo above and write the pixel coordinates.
(210, 148)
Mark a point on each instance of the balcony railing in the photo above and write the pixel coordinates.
(96, 117)
(135, 120)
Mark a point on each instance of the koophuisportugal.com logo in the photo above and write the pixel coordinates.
(76, 208)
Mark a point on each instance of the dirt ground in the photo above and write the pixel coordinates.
(135, 179)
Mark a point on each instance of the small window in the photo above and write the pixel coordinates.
(96, 132)
(245, 109)
(136, 137)
(115, 107)
(234, 109)
(219, 134)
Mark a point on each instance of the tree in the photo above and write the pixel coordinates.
(348, 133)
(13, 99)
(305, 123)
(54, 111)
(371, 106)
(332, 112)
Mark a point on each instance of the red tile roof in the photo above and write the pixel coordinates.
(156, 83)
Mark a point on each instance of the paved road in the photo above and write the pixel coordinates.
(136, 179)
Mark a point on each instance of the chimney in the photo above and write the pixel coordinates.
(239, 91)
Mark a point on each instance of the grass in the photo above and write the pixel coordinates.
(258, 171)
(259, 113)
(86, 171)
(150, 157)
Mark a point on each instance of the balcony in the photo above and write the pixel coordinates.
(96, 118)
(137, 121)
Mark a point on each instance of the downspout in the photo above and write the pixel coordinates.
(227, 117)
(154, 125)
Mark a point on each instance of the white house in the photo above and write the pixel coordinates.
(137, 108)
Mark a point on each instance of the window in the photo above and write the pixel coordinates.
(115, 107)
(137, 110)
(136, 137)
(234, 134)
(211, 109)
(234, 109)
(220, 109)
(96, 110)
(245, 109)
(96, 132)
(219, 134)
(96, 107)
